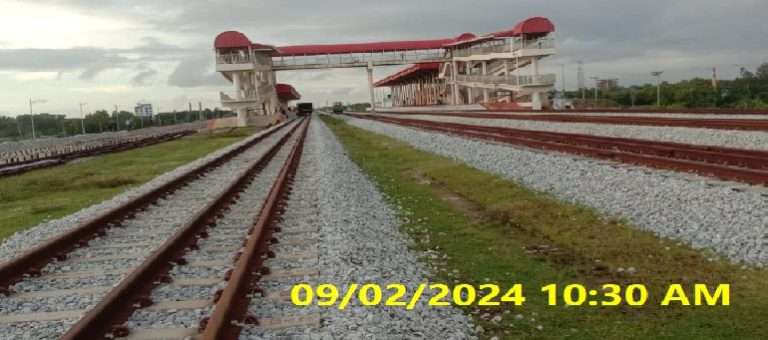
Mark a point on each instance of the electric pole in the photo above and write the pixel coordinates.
(597, 80)
(117, 118)
(32, 114)
(82, 117)
(581, 81)
(562, 77)
(658, 74)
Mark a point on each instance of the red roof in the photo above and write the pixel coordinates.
(286, 92)
(231, 39)
(383, 46)
(302, 50)
(535, 25)
(402, 75)
(235, 39)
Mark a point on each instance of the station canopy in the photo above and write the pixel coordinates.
(409, 73)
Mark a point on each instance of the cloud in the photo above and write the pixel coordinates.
(146, 73)
(614, 38)
(89, 61)
(196, 71)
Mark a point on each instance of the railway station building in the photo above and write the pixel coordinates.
(491, 69)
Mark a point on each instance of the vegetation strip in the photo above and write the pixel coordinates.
(492, 230)
(48, 194)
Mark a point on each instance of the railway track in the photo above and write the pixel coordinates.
(722, 124)
(23, 166)
(749, 166)
(167, 253)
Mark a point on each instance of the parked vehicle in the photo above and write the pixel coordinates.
(305, 109)
(338, 107)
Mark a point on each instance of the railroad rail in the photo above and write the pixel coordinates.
(18, 165)
(132, 292)
(232, 305)
(749, 166)
(746, 112)
(722, 124)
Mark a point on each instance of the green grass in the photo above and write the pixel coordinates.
(46, 194)
(494, 230)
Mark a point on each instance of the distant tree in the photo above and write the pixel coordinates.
(762, 72)
(745, 74)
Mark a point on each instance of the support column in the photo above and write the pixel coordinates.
(370, 86)
(485, 73)
(236, 82)
(454, 73)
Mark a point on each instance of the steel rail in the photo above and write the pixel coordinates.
(754, 159)
(32, 261)
(695, 111)
(721, 124)
(747, 166)
(106, 318)
(231, 309)
(50, 161)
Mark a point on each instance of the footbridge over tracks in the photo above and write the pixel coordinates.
(470, 65)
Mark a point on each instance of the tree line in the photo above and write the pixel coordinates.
(748, 91)
(58, 125)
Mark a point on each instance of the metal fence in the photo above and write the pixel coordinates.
(356, 59)
(520, 80)
(507, 46)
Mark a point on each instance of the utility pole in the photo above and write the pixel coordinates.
(581, 81)
(117, 118)
(200, 110)
(189, 113)
(18, 127)
(658, 74)
(562, 77)
(32, 115)
(597, 80)
(82, 118)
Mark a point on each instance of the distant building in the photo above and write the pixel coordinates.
(143, 110)
(607, 84)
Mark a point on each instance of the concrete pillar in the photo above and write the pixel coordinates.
(455, 97)
(535, 67)
(236, 82)
(370, 86)
(536, 101)
(485, 73)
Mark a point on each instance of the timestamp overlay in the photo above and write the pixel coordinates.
(496, 295)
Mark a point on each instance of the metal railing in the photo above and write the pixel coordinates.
(508, 46)
(519, 80)
(233, 59)
(248, 95)
(356, 59)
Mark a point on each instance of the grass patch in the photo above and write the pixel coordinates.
(494, 230)
(46, 194)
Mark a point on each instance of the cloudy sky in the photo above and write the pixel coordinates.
(114, 52)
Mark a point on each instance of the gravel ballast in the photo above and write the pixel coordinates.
(338, 219)
(105, 262)
(729, 138)
(230, 231)
(696, 210)
(26, 239)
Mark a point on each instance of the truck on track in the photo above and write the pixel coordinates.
(304, 109)
(338, 107)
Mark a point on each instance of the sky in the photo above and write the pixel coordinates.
(113, 52)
